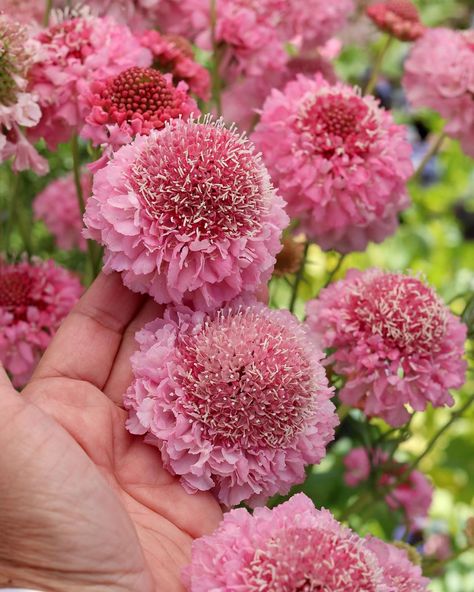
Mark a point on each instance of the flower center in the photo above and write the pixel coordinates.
(310, 560)
(202, 181)
(404, 311)
(15, 289)
(14, 60)
(246, 379)
(404, 9)
(338, 125)
(141, 91)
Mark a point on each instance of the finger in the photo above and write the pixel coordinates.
(5, 384)
(87, 342)
(121, 374)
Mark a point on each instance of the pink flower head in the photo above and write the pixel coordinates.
(174, 54)
(74, 53)
(394, 341)
(338, 159)
(17, 107)
(399, 18)
(439, 74)
(134, 102)
(58, 207)
(236, 401)
(34, 298)
(292, 547)
(188, 214)
(400, 574)
(414, 495)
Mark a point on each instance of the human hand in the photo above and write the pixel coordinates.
(84, 506)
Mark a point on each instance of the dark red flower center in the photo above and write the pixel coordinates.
(15, 289)
(404, 9)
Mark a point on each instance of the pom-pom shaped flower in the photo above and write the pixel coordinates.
(34, 298)
(338, 159)
(399, 18)
(236, 401)
(439, 74)
(58, 208)
(394, 341)
(413, 494)
(188, 214)
(134, 102)
(292, 547)
(74, 53)
(174, 54)
(17, 107)
(400, 574)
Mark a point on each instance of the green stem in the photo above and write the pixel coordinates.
(215, 75)
(433, 149)
(17, 217)
(336, 268)
(298, 278)
(357, 506)
(47, 12)
(369, 89)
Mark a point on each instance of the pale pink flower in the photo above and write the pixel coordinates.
(399, 18)
(132, 13)
(394, 341)
(174, 54)
(188, 214)
(74, 53)
(338, 159)
(133, 103)
(237, 401)
(439, 74)
(414, 495)
(57, 206)
(34, 298)
(400, 574)
(438, 546)
(292, 547)
(28, 12)
(17, 106)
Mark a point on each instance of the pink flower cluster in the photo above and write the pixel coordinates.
(188, 214)
(393, 340)
(18, 107)
(338, 159)
(439, 74)
(237, 401)
(58, 208)
(34, 298)
(74, 53)
(413, 495)
(399, 18)
(296, 547)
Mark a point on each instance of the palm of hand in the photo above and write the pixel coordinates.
(85, 505)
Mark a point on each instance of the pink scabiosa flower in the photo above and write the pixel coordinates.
(292, 547)
(338, 159)
(74, 53)
(58, 208)
(174, 54)
(34, 298)
(134, 102)
(188, 214)
(237, 401)
(413, 495)
(394, 341)
(399, 18)
(17, 107)
(400, 574)
(439, 74)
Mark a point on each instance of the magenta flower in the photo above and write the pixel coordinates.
(237, 401)
(34, 298)
(188, 214)
(292, 547)
(414, 495)
(439, 74)
(134, 102)
(74, 53)
(400, 574)
(394, 341)
(338, 159)
(58, 208)
(399, 18)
